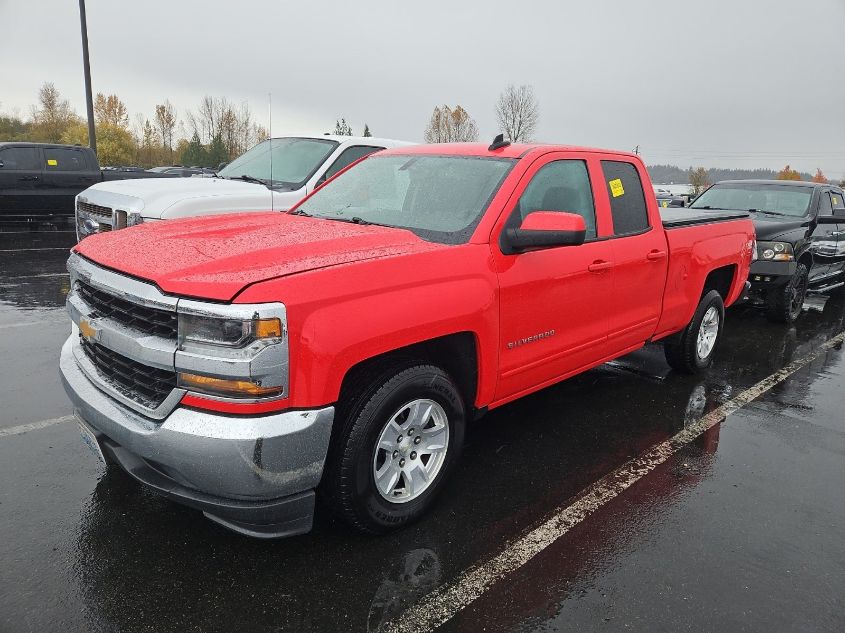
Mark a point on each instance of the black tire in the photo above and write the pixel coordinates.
(682, 350)
(348, 486)
(784, 305)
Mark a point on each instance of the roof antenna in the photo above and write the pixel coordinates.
(270, 141)
(498, 143)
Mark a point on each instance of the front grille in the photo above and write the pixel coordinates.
(145, 385)
(101, 213)
(147, 320)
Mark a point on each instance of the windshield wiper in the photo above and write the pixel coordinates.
(709, 208)
(248, 178)
(301, 212)
(786, 215)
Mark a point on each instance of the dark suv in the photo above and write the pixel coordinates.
(800, 238)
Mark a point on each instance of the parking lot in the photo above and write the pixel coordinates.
(619, 500)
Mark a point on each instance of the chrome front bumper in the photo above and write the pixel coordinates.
(238, 470)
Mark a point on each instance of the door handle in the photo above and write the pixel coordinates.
(28, 178)
(653, 256)
(599, 266)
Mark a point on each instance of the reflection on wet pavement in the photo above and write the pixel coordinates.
(672, 553)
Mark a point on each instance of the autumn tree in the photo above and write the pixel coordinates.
(234, 124)
(787, 173)
(52, 116)
(110, 110)
(165, 125)
(699, 180)
(820, 177)
(517, 113)
(448, 125)
(367, 132)
(342, 128)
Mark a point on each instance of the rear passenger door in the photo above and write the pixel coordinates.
(20, 178)
(66, 173)
(640, 258)
(346, 158)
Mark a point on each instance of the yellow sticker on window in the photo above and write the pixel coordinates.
(665, 204)
(835, 200)
(616, 188)
(52, 162)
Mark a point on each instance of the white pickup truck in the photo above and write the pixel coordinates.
(258, 180)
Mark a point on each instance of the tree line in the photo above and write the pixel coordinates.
(215, 132)
(699, 178)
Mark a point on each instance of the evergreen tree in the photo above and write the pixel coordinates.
(216, 153)
(342, 128)
(194, 153)
(367, 130)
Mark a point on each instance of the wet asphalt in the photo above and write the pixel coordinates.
(741, 530)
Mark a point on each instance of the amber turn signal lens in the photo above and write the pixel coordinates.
(268, 328)
(225, 387)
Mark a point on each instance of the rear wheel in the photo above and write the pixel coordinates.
(784, 305)
(692, 350)
(399, 440)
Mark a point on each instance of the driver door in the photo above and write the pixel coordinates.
(554, 302)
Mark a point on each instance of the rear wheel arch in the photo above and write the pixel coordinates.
(721, 280)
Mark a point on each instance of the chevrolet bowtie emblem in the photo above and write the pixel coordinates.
(88, 330)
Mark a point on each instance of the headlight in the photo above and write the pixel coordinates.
(226, 332)
(775, 251)
(233, 353)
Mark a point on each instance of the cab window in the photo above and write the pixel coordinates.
(825, 207)
(837, 200)
(347, 157)
(627, 200)
(562, 185)
(20, 158)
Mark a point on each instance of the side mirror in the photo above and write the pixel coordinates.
(544, 229)
(838, 217)
(221, 166)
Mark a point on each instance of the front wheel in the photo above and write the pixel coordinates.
(398, 443)
(692, 351)
(784, 305)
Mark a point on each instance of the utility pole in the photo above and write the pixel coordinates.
(92, 135)
(637, 150)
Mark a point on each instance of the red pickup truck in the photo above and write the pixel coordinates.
(242, 364)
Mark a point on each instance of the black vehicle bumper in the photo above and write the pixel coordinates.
(275, 518)
(766, 276)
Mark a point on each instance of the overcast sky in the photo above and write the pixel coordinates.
(732, 83)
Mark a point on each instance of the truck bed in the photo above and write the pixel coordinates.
(674, 218)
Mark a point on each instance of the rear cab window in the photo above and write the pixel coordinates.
(65, 159)
(627, 200)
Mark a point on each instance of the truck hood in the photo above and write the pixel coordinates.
(771, 227)
(154, 196)
(218, 256)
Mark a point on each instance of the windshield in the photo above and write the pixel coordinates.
(793, 200)
(439, 198)
(294, 161)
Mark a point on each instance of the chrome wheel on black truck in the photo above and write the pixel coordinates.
(691, 351)
(400, 436)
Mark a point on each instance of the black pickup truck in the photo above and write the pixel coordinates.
(38, 181)
(800, 238)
